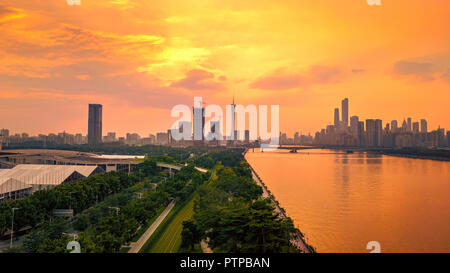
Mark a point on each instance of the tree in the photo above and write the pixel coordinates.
(190, 235)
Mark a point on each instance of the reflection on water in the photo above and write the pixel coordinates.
(342, 201)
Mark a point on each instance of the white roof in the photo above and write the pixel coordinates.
(23, 176)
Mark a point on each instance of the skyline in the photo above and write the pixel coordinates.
(391, 60)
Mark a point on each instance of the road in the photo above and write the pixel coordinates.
(136, 246)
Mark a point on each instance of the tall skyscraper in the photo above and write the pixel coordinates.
(370, 132)
(361, 140)
(199, 124)
(423, 126)
(336, 117)
(415, 127)
(354, 125)
(378, 132)
(394, 126)
(409, 125)
(233, 121)
(345, 111)
(95, 124)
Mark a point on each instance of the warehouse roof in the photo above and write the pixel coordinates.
(23, 176)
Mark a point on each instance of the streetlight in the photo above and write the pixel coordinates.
(12, 227)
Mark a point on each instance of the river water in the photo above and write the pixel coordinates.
(343, 201)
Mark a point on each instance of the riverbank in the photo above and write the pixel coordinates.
(299, 241)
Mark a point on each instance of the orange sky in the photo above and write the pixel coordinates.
(139, 58)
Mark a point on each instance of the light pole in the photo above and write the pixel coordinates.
(12, 227)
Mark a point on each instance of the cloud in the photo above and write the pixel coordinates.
(358, 70)
(198, 79)
(314, 75)
(8, 13)
(446, 75)
(421, 71)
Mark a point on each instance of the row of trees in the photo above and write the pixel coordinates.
(230, 213)
(80, 195)
(115, 221)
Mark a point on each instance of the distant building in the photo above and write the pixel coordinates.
(95, 124)
(378, 132)
(415, 127)
(409, 125)
(394, 126)
(345, 111)
(336, 117)
(199, 125)
(354, 120)
(423, 126)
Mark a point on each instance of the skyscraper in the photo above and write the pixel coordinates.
(345, 111)
(354, 125)
(370, 132)
(423, 126)
(409, 125)
(95, 124)
(394, 126)
(336, 117)
(378, 132)
(199, 124)
(416, 127)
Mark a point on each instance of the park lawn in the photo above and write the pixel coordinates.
(170, 239)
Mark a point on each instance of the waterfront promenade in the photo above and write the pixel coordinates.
(298, 241)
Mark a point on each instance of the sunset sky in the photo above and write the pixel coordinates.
(139, 58)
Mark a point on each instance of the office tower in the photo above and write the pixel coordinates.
(361, 133)
(404, 126)
(415, 127)
(394, 126)
(336, 117)
(233, 121)
(199, 124)
(354, 125)
(345, 112)
(409, 129)
(95, 124)
(387, 128)
(370, 132)
(423, 126)
(378, 132)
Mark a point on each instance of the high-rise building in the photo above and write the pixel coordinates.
(404, 126)
(378, 132)
(336, 117)
(423, 126)
(199, 124)
(361, 133)
(394, 126)
(95, 124)
(409, 125)
(354, 125)
(415, 127)
(370, 132)
(345, 111)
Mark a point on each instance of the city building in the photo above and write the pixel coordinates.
(345, 112)
(95, 124)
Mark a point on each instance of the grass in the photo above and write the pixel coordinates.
(170, 239)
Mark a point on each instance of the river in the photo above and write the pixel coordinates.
(343, 201)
